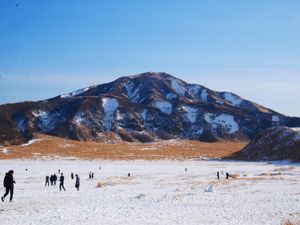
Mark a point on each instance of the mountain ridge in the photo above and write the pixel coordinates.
(144, 107)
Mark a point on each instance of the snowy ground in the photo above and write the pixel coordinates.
(157, 192)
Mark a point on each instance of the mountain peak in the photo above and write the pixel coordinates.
(144, 107)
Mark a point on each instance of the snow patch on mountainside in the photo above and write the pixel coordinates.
(297, 129)
(119, 115)
(194, 89)
(75, 93)
(165, 107)
(171, 96)
(223, 120)
(5, 151)
(30, 142)
(132, 92)
(234, 100)
(47, 120)
(191, 113)
(39, 113)
(109, 106)
(78, 118)
(204, 95)
(144, 114)
(275, 118)
(296, 136)
(177, 87)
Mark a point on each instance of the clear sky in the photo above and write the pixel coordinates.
(251, 48)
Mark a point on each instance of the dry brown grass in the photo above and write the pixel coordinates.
(289, 222)
(51, 146)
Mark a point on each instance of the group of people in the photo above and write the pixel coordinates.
(9, 181)
(91, 175)
(226, 174)
(53, 179)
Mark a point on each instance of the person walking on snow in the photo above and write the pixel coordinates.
(227, 176)
(47, 181)
(77, 182)
(9, 185)
(218, 175)
(61, 182)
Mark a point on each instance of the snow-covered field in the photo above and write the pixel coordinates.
(157, 192)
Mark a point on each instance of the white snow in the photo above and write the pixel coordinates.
(119, 115)
(165, 107)
(5, 150)
(144, 114)
(234, 100)
(296, 136)
(224, 120)
(109, 106)
(133, 92)
(79, 118)
(204, 95)
(39, 113)
(47, 120)
(171, 96)
(191, 113)
(156, 193)
(200, 131)
(75, 93)
(297, 129)
(275, 118)
(30, 142)
(178, 88)
(219, 101)
(194, 89)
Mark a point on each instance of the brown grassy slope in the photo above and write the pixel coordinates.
(180, 149)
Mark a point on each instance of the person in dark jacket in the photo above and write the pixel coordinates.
(61, 182)
(47, 181)
(77, 182)
(9, 185)
(54, 179)
(227, 175)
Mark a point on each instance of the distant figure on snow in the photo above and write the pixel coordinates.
(185, 169)
(99, 167)
(218, 175)
(61, 182)
(54, 179)
(47, 181)
(77, 182)
(90, 175)
(128, 175)
(72, 176)
(8, 183)
(51, 180)
(227, 175)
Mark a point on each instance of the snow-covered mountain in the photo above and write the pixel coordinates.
(275, 143)
(144, 107)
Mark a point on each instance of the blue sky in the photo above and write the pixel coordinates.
(250, 48)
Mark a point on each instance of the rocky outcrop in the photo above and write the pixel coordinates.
(144, 107)
(276, 143)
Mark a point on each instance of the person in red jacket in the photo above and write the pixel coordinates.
(9, 185)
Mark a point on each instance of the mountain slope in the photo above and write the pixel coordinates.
(144, 108)
(276, 143)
